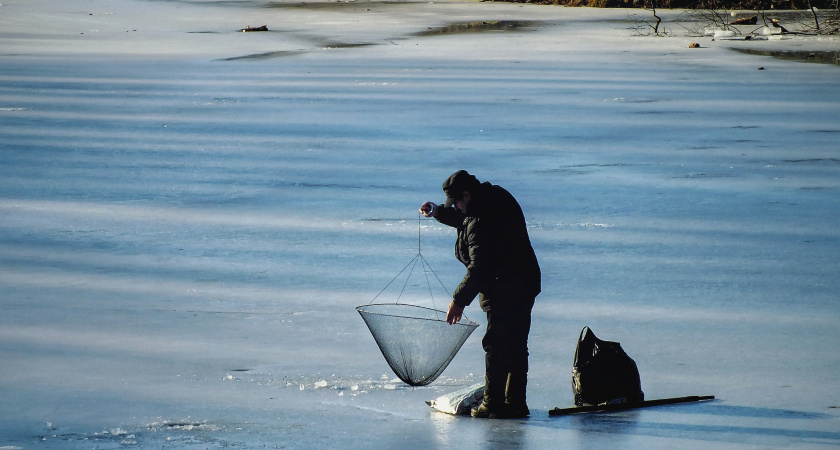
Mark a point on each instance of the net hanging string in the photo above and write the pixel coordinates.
(425, 266)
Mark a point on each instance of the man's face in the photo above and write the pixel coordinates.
(462, 204)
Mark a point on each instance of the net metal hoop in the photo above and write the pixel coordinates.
(365, 309)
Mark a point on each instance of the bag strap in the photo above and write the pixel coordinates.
(577, 348)
(582, 332)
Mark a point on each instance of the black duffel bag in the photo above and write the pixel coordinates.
(603, 373)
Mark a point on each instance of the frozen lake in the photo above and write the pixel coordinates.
(189, 216)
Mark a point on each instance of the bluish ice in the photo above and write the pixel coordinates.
(189, 216)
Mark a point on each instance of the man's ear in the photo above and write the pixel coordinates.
(466, 196)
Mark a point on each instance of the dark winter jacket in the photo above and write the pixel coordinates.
(493, 244)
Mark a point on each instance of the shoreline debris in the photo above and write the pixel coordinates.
(745, 21)
(249, 28)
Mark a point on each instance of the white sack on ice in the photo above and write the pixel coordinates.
(459, 402)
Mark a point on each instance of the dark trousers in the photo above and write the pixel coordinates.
(506, 342)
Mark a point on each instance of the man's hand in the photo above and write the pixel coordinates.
(454, 314)
(428, 209)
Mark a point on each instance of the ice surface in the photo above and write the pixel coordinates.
(189, 216)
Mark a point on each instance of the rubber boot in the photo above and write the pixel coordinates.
(515, 393)
(493, 405)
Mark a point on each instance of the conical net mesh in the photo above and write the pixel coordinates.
(416, 341)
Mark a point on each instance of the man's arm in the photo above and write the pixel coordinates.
(470, 286)
(450, 216)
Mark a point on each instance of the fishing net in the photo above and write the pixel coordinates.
(415, 340)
